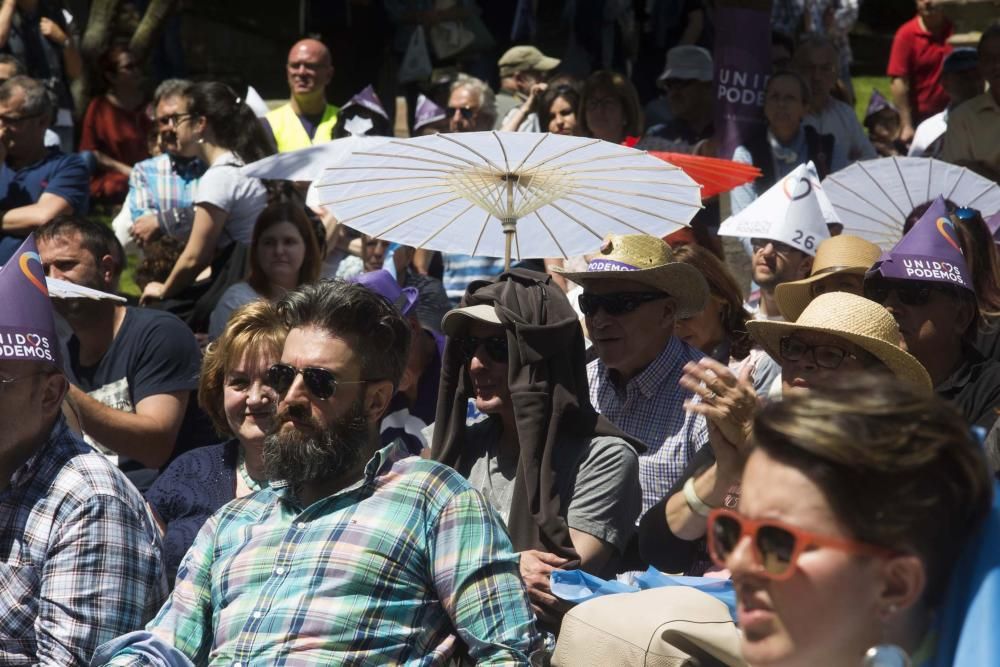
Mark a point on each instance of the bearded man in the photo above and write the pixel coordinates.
(354, 554)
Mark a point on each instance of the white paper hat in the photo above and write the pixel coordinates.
(795, 211)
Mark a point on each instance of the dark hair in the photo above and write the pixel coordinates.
(378, 334)
(897, 465)
(723, 287)
(790, 74)
(568, 92)
(98, 239)
(8, 59)
(255, 331)
(234, 124)
(622, 89)
(274, 214)
(37, 101)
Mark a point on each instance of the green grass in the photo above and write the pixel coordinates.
(863, 91)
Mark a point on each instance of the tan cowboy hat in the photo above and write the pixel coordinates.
(839, 254)
(648, 260)
(853, 318)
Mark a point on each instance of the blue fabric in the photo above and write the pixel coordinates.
(968, 621)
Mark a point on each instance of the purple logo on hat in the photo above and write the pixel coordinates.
(609, 265)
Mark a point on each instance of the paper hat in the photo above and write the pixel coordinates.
(27, 327)
(648, 260)
(794, 211)
(836, 255)
(382, 283)
(369, 100)
(427, 112)
(877, 103)
(929, 252)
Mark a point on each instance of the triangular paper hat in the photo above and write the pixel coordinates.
(930, 251)
(877, 103)
(27, 327)
(369, 100)
(795, 211)
(427, 112)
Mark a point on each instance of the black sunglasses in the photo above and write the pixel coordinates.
(320, 382)
(495, 346)
(909, 292)
(466, 112)
(617, 303)
(824, 356)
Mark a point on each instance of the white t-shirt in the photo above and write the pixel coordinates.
(242, 197)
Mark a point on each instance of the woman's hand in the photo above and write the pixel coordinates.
(152, 292)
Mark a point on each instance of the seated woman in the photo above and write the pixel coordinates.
(837, 334)
(284, 254)
(116, 126)
(563, 478)
(786, 142)
(214, 125)
(241, 406)
(857, 500)
(720, 330)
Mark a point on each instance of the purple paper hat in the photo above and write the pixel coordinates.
(27, 328)
(928, 252)
(369, 100)
(877, 103)
(383, 283)
(427, 112)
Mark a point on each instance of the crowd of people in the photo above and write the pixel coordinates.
(304, 444)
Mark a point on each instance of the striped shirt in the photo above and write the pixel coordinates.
(162, 183)
(382, 572)
(651, 408)
(79, 556)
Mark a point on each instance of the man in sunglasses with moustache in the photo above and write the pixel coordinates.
(356, 553)
(632, 293)
(925, 282)
(563, 478)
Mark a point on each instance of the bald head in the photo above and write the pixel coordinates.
(309, 69)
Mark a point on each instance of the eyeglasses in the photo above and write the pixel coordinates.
(781, 249)
(909, 292)
(617, 303)
(495, 346)
(14, 120)
(466, 112)
(824, 356)
(173, 120)
(320, 382)
(776, 546)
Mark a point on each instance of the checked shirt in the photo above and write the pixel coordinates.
(382, 572)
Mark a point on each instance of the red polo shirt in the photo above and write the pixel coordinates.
(917, 56)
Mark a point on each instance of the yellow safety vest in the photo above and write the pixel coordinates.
(289, 133)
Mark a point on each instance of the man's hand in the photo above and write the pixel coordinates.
(52, 32)
(536, 568)
(145, 229)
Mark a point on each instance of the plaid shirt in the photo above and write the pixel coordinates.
(651, 408)
(162, 183)
(79, 557)
(382, 572)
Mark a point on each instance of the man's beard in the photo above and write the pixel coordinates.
(315, 452)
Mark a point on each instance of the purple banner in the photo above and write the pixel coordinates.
(742, 66)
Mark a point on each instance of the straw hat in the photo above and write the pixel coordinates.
(853, 318)
(840, 254)
(648, 260)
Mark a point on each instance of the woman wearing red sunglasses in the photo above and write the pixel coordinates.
(856, 502)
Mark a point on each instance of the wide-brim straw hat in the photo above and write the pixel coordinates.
(839, 254)
(855, 319)
(647, 260)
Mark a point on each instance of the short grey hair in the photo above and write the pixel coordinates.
(37, 101)
(487, 100)
(170, 88)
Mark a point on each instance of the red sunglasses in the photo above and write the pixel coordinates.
(776, 546)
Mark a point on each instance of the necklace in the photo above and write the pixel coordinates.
(241, 468)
